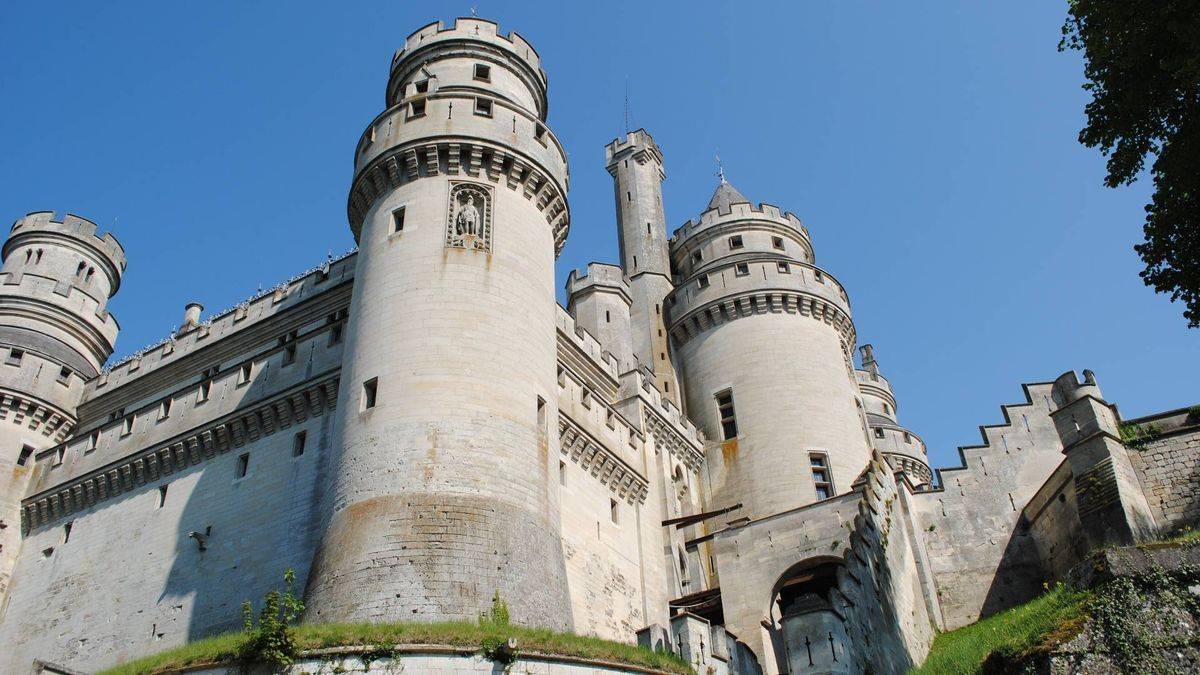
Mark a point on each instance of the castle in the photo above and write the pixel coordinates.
(685, 456)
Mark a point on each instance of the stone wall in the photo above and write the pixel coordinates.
(980, 503)
(1167, 463)
(130, 580)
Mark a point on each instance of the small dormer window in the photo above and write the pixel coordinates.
(14, 356)
(735, 242)
(777, 242)
(702, 281)
(64, 375)
(483, 73)
(416, 109)
(783, 268)
(421, 87)
(742, 269)
(483, 107)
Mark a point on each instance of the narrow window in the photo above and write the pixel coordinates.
(80, 270)
(26, 453)
(245, 372)
(483, 107)
(658, 309)
(64, 375)
(398, 220)
(59, 455)
(702, 281)
(162, 496)
(783, 268)
(777, 242)
(628, 196)
(562, 473)
(67, 531)
(335, 334)
(741, 270)
(697, 257)
(887, 410)
(725, 411)
(539, 131)
(647, 228)
(14, 356)
(416, 109)
(878, 432)
(635, 262)
(164, 409)
(298, 443)
(614, 510)
(127, 427)
(585, 398)
(821, 477)
(735, 242)
(39, 257)
(483, 72)
(369, 390)
(422, 87)
(243, 465)
(93, 441)
(820, 277)
(666, 387)
(607, 317)
(289, 354)
(907, 437)
(662, 356)
(205, 390)
(541, 417)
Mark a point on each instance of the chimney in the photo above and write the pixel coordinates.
(191, 317)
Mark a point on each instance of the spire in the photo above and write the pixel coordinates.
(725, 195)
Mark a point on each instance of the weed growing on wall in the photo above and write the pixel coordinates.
(272, 641)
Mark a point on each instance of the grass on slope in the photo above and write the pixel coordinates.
(1013, 631)
(457, 634)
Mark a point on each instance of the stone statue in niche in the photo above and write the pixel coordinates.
(469, 222)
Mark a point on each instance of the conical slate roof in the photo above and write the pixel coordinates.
(725, 195)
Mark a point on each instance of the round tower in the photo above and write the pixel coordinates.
(764, 339)
(903, 449)
(55, 333)
(439, 489)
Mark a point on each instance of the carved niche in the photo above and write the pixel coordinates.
(469, 217)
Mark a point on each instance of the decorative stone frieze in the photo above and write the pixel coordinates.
(201, 444)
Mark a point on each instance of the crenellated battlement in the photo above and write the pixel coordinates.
(738, 212)
(640, 143)
(470, 28)
(66, 297)
(263, 304)
(598, 276)
(77, 227)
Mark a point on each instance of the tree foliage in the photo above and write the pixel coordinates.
(1142, 65)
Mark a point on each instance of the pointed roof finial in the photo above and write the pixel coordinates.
(720, 169)
(626, 105)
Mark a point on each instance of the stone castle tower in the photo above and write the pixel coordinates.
(55, 282)
(685, 455)
(444, 453)
(764, 339)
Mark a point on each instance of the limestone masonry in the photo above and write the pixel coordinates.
(686, 456)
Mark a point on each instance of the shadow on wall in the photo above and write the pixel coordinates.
(1019, 576)
(248, 515)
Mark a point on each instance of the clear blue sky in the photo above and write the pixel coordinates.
(929, 147)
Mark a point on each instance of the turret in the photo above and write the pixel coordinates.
(636, 165)
(764, 341)
(599, 301)
(902, 448)
(55, 333)
(445, 438)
